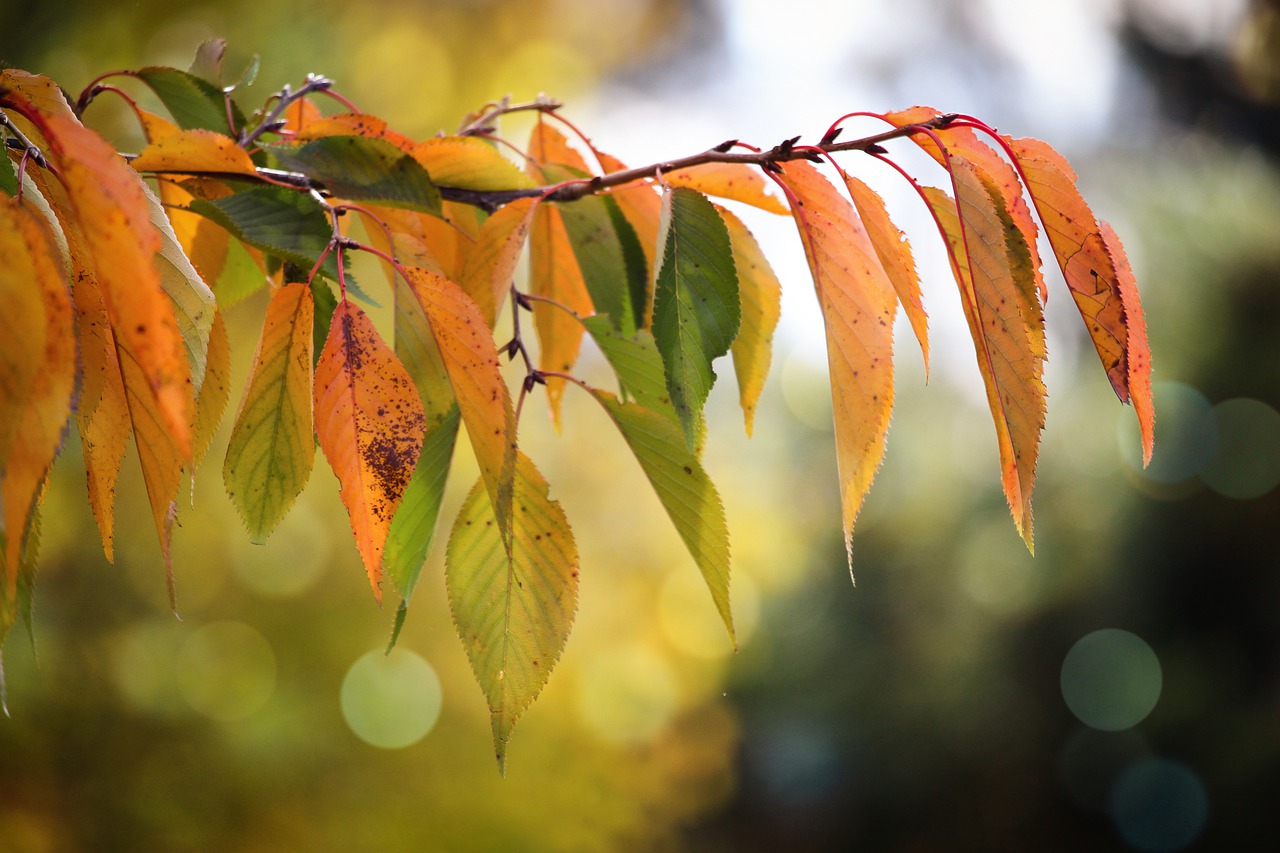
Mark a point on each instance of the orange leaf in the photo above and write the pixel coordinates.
(470, 358)
(1137, 350)
(554, 274)
(991, 264)
(894, 252)
(352, 124)
(858, 307)
(23, 323)
(548, 146)
(491, 263)
(29, 259)
(642, 206)
(734, 181)
(370, 425)
(195, 151)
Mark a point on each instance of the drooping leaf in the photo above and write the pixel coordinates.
(610, 258)
(191, 151)
(242, 274)
(370, 424)
(280, 222)
(490, 267)
(685, 490)
(513, 604)
(554, 274)
(858, 307)
(469, 163)
(641, 204)
(471, 360)
(1090, 263)
(894, 252)
(637, 364)
(359, 168)
(194, 102)
(271, 451)
(548, 146)
(23, 324)
(415, 346)
(733, 181)
(212, 399)
(696, 308)
(991, 263)
(40, 415)
(315, 126)
(761, 296)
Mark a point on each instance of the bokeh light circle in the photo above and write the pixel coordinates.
(1247, 462)
(226, 671)
(1111, 679)
(1187, 431)
(627, 693)
(391, 701)
(1159, 806)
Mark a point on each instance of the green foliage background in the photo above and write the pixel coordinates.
(920, 710)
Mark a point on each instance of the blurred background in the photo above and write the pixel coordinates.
(1118, 691)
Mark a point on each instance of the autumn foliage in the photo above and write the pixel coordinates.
(115, 270)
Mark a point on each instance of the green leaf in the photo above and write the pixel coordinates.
(610, 257)
(271, 451)
(326, 303)
(279, 221)
(696, 308)
(194, 102)
(513, 606)
(637, 364)
(414, 527)
(8, 177)
(686, 492)
(360, 168)
(240, 278)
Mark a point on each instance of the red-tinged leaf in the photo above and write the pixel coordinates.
(733, 181)
(370, 425)
(998, 293)
(470, 358)
(314, 126)
(1078, 244)
(190, 151)
(30, 259)
(491, 264)
(858, 307)
(548, 146)
(894, 252)
(108, 203)
(917, 115)
(1137, 350)
(271, 451)
(512, 598)
(211, 402)
(554, 274)
(761, 295)
(469, 163)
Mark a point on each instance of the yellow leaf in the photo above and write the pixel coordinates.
(195, 151)
(370, 424)
(271, 451)
(491, 264)
(23, 323)
(761, 296)
(39, 416)
(554, 274)
(733, 181)
(858, 307)
(470, 358)
(469, 163)
(214, 393)
(312, 125)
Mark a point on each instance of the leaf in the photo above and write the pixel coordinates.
(191, 151)
(733, 181)
(271, 450)
(991, 263)
(370, 425)
(760, 293)
(193, 302)
(696, 307)
(414, 527)
(316, 126)
(894, 252)
(685, 490)
(471, 361)
(513, 605)
(1091, 262)
(610, 258)
(40, 415)
(278, 221)
(858, 308)
(490, 267)
(469, 163)
(212, 399)
(554, 274)
(193, 102)
(637, 364)
(23, 322)
(641, 204)
(360, 168)
(548, 146)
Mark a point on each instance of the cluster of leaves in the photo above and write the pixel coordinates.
(115, 294)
